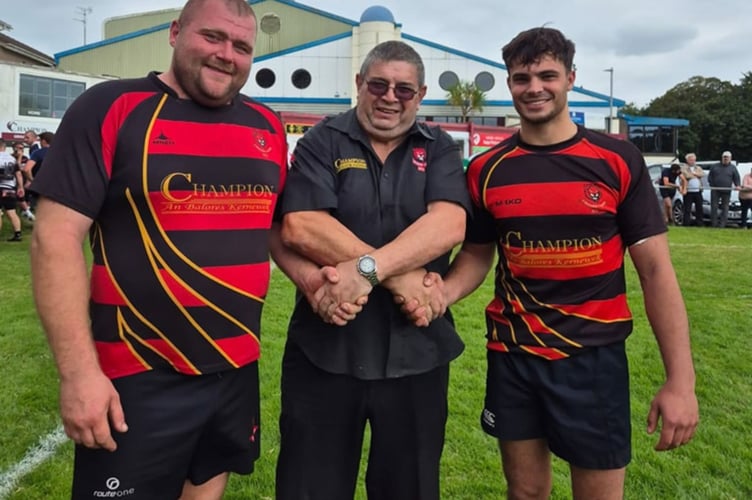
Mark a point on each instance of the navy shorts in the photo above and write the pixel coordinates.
(579, 405)
(180, 427)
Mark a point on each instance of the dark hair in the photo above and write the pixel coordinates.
(529, 46)
(394, 50)
(46, 137)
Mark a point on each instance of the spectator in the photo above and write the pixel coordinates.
(11, 190)
(723, 177)
(24, 203)
(32, 140)
(693, 173)
(34, 164)
(670, 179)
(745, 197)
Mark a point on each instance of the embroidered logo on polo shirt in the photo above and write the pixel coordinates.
(347, 163)
(419, 159)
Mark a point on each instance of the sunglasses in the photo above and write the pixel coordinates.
(380, 88)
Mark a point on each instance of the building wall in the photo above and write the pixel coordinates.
(150, 50)
(12, 123)
(124, 25)
(131, 58)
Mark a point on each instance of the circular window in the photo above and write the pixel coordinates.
(265, 78)
(448, 79)
(484, 81)
(301, 78)
(270, 23)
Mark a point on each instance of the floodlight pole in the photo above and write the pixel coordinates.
(610, 99)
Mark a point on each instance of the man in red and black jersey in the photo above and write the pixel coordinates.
(561, 204)
(165, 335)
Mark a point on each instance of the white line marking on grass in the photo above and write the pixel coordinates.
(34, 457)
(705, 245)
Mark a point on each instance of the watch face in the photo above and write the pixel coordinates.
(367, 265)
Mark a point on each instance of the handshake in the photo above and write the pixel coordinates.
(337, 294)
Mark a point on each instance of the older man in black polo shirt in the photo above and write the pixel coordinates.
(383, 199)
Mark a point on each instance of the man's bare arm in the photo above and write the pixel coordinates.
(88, 401)
(675, 404)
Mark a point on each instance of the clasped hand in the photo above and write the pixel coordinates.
(338, 294)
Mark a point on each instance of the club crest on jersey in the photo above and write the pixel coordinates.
(593, 196)
(262, 142)
(419, 159)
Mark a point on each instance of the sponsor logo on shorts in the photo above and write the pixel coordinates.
(489, 418)
(113, 490)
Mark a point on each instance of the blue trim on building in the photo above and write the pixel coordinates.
(456, 52)
(653, 121)
(304, 46)
(109, 41)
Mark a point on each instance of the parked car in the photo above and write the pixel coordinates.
(677, 212)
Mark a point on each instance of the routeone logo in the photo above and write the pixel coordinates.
(112, 484)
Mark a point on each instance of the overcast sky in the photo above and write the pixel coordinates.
(651, 45)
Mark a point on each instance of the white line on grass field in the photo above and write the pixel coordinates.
(34, 457)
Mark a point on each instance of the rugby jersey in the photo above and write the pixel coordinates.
(182, 197)
(562, 217)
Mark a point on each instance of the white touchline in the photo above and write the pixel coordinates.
(34, 457)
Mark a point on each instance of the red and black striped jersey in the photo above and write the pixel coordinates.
(182, 198)
(562, 217)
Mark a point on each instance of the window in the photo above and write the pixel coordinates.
(484, 81)
(301, 79)
(654, 139)
(448, 79)
(47, 97)
(265, 78)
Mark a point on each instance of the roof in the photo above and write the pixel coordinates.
(25, 51)
(654, 121)
(377, 13)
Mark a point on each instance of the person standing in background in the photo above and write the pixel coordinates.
(693, 173)
(723, 178)
(745, 197)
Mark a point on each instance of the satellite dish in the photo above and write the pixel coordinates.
(270, 24)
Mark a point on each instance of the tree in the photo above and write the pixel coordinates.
(466, 96)
(718, 118)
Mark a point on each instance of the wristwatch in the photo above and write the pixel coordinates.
(367, 268)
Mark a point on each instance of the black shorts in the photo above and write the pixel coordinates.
(8, 200)
(180, 427)
(667, 193)
(579, 405)
(322, 427)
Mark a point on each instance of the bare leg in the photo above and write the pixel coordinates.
(590, 484)
(527, 469)
(210, 490)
